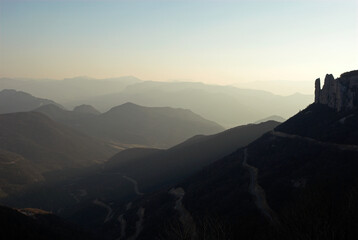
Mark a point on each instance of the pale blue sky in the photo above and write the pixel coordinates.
(223, 42)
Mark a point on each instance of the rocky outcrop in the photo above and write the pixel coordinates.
(341, 93)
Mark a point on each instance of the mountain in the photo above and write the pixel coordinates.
(67, 90)
(133, 124)
(86, 109)
(229, 106)
(298, 181)
(17, 101)
(272, 118)
(35, 224)
(96, 198)
(32, 145)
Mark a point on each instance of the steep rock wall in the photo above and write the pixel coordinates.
(341, 93)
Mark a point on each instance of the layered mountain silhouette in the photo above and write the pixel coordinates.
(133, 172)
(17, 101)
(133, 124)
(168, 166)
(32, 144)
(227, 105)
(296, 182)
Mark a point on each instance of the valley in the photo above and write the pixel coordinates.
(119, 177)
(143, 192)
(178, 120)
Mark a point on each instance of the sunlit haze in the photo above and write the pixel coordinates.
(178, 119)
(219, 42)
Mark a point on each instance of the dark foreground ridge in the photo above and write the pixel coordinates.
(296, 182)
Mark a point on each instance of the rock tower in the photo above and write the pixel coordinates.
(341, 93)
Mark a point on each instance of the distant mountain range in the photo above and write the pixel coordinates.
(227, 105)
(124, 125)
(69, 89)
(133, 124)
(279, 87)
(16, 101)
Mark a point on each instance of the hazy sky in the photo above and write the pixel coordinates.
(223, 42)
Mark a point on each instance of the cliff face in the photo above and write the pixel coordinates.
(341, 93)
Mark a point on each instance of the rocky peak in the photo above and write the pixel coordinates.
(341, 93)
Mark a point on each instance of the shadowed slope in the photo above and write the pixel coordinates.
(168, 166)
(32, 143)
(261, 191)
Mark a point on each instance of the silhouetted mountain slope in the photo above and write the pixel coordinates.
(228, 106)
(133, 124)
(16, 101)
(325, 124)
(32, 144)
(168, 166)
(296, 182)
(35, 224)
(128, 155)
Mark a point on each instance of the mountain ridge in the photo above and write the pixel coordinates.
(17, 101)
(134, 124)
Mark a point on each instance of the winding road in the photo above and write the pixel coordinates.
(344, 147)
(135, 184)
(257, 191)
(104, 205)
(123, 224)
(185, 217)
(138, 224)
(140, 214)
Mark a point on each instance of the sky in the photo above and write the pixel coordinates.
(217, 42)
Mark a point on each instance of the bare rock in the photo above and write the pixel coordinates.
(341, 93)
